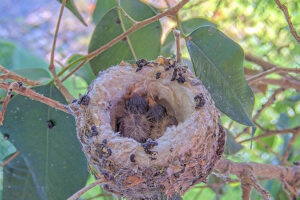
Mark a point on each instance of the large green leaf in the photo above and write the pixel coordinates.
(101, 8)
(218, 63)
(72, 7)
(188, 26)
(18, 182)
(53, 155)
(14, 56)
(143, 43)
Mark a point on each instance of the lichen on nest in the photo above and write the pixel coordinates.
(150, 129)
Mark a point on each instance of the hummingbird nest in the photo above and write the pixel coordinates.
(150, 129)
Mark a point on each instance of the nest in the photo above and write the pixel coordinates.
(150, 129)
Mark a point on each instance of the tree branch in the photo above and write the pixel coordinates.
(288, 149)
(288, 19)
(268, 103)
(283, 82)
(85, 189)
(35, 96)
(59, 84)
(13, 76)
(268, 133)
(172, 11)
(10, 159)
(290, 175)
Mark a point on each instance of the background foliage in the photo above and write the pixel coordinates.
(258, 26)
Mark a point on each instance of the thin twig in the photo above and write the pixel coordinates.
(288, 19)
(260, 75)
(265, 65)
(217, 185)
(74, 70)
(6, 101)
(268, 133)
(267, 147)
(178, 48)
(283, 82)
(59, 84)
(10, 159)
(85, 189)
(99, 195)
(172, 11)
(268, 103)
(13, 76)
(35, 96)
(288, 149)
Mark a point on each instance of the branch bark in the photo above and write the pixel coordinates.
(172, 11)
(283, 82)
(288, 19)
(35, 96)
(289, 175)
(85, 189)
(59, 84)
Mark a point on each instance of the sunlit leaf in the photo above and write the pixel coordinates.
(218, 63)
(47, 141)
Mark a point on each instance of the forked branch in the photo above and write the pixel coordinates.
(136, 26)
(59, 84)
(288, 19)
(287, 175)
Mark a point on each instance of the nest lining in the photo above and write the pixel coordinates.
(181, 155)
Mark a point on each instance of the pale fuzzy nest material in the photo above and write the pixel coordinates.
(184, 155)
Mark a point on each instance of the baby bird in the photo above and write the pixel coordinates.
(134, 118)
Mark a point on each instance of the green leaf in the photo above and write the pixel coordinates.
(53, 155)
(143, 43)
(218, 63)
(18, 182)
(101, 8)
(6, 148)
(85, 71)
(188, 26)
(14, 56)
(35, 74)
(72, 7)
(231, 146)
